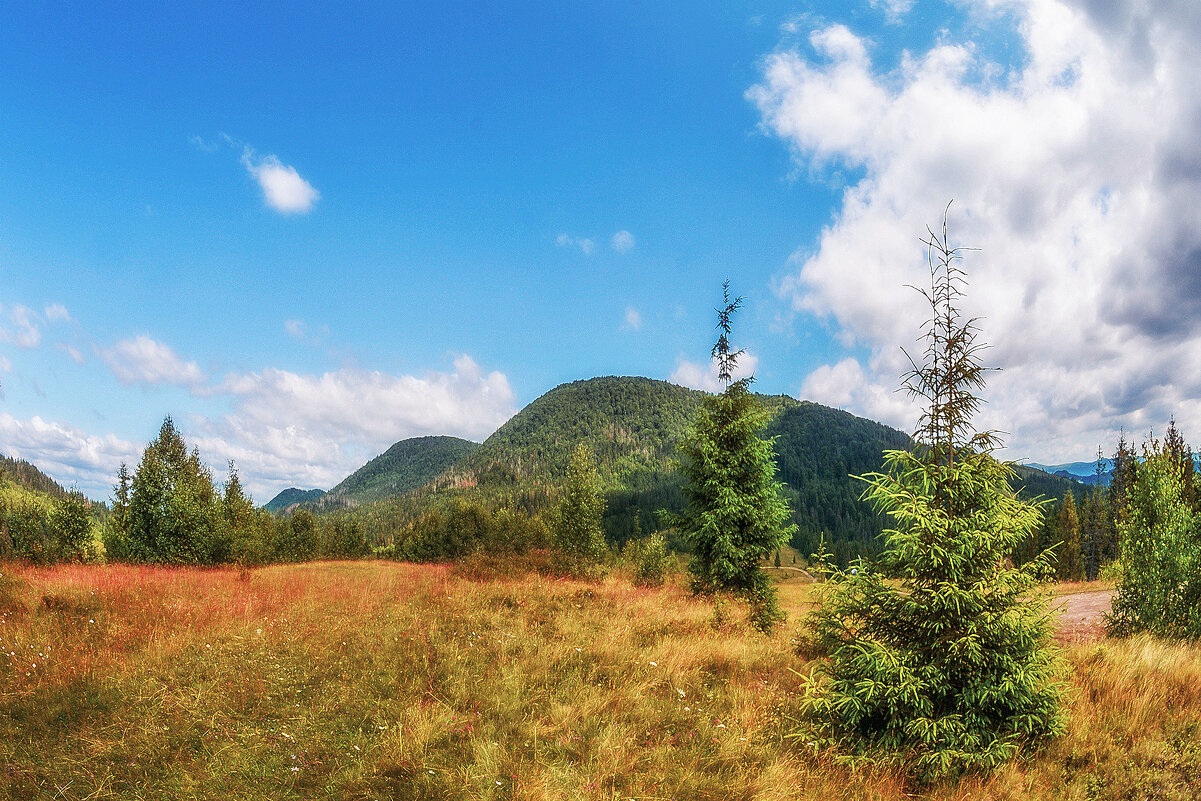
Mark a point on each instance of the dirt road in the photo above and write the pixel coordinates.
(1080, 615)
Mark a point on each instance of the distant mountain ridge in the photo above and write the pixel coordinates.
(633, 426)
(407, 465)
(1083, 472)
(292, 496)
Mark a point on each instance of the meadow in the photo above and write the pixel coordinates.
(374, 680)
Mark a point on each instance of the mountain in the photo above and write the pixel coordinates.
(405, 466)
(634, 425)
(1084, 472)
(24, 474)
(292, 496)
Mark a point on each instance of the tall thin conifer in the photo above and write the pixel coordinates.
(939, 660)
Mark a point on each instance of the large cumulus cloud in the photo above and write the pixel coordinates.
(1077, 174)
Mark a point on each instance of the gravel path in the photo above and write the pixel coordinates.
(1080, 615)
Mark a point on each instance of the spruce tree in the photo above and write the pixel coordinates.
(734, 515)
(173, 511)
(939, 657)
(1069, 553)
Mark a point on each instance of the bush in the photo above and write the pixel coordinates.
(1160, 589)
(650, 559)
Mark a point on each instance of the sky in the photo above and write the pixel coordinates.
(308, 231)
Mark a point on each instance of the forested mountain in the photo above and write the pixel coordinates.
(818, 451)
(633, 426)
(1034, 483)
(292, 496)
(405, 466)
(23, 474)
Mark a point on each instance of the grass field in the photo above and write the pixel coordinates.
(376, 680)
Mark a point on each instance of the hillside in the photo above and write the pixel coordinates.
(23, 474)
(291, 496)
(634, 426)
(405, 466)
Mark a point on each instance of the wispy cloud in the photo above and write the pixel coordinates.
(633, 320)
(586, 246)
(705, 376)
(68, 454)
(295, 328)
(622, 241)
(72, 352)
(57, 313)
(22, 328)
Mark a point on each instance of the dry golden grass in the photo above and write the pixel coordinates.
(376, 680)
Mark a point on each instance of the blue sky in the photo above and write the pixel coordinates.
(307, 233)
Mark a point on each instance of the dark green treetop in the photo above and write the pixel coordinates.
(734, 515)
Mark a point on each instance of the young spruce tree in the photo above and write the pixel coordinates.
(939, 654)
(735, 515)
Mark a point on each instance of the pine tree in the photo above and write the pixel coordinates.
(734, 515)
(72, 526)
(173, 510)
(939, 655)
(1070, 553)
(1180, 458)
(115, 531)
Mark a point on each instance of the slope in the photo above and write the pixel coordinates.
(292, 496)
(405, 466)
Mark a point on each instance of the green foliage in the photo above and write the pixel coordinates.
(578, 533)
(174, 513)
(73, 528)
(939, 658)
(650, 559)
(735, 516)
(296, 539)
(1160, 588)
(405, 466)
(26, 528)
(1069, 555)
(23, 474)
(465, 528)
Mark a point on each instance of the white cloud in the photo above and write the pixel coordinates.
(586, 246)
(1078, 176)
(283, 188)
(288, 429)
(704, 376)
(67, 454)
(23, 329)
(142, 360)
(72, 352)
(623, 242)
(295, 328)
(633, 320)
(57, 313)
(895, 9)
